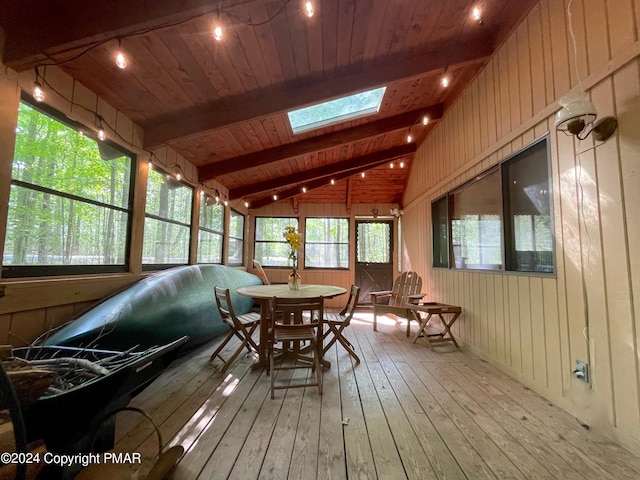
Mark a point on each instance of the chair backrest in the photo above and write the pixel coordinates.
(260, 272)
(409, 283)
(289, 311)
(350, 308)
(223, 301)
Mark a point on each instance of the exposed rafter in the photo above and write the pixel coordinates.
(280, 100)
(313, 184)
(321, 142)
(351, 166)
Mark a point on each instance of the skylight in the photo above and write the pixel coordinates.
(335, 111)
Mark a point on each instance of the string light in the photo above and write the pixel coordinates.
(445, 82)
(391, 165)
(275, 196)
(226, 203)
(409, 138)
(217, 197)
(362, 174)
(401, 164)
(477, 14)
(217, 33)
(38, 93)
(425, 120)
(304, 189)
(101, 134)
(121, 60)
(333, 182)
(308, 9)
(246, 204)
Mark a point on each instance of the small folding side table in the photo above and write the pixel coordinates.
(442, 310)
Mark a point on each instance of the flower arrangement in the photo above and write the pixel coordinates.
(294, 239)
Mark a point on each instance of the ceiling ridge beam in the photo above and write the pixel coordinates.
(321, 142)
(271, 101)
(351, 166)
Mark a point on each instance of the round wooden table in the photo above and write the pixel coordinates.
(263, 293)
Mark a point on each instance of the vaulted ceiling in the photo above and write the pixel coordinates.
(222, 104)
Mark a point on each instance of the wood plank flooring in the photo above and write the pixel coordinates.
(404, 412)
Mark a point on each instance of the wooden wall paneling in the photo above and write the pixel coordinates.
(526, 301)
(538, 336)
(559, 47)
(468, 125)
(617, 274)
(547, 50)
(514, 83)
(627, 87)
(551, 328)
(525, 73)
(58, 315)
(26, 327)
(578, 23)
(498, 314)
(5, 327)
(504, 113)
(475, 120)
(492, 118)
(84, 104)
(597, 39)
(123, 130)
(487, 311)
(537, 61)
(515, 336)
(482, 114)
(623, 32)
(59, 88)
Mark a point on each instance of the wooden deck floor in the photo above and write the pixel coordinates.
(404, 412)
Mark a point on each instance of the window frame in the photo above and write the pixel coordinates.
(147, 267)
(283, 241)
(208, 230)
(244, 219)
(507, 235)
(347, 243)
(30, 271)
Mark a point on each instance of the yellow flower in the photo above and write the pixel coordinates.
(294, 239)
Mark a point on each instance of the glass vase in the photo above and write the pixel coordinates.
(295, 279)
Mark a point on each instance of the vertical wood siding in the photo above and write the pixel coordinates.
(536, 327)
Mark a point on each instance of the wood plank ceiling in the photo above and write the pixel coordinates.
(222, 105)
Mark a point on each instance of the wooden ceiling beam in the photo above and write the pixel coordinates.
(350, 167)
(45, 28)
(272, 101)
(321, 142)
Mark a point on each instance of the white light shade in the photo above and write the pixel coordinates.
(576, 113)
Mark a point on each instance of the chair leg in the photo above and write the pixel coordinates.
(221, 346)
(375, 321)
(349, 348)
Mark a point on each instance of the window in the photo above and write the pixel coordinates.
(211, 231)
(271, 249)
(501, 220)
(336, 111)
(167, 226)
(440, 223)
(476, 224)
(326, 243)
(236, 238)
(70, 200)
(528, 226)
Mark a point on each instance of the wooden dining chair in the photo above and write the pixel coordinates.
(406, 289)
(241, 326)
(337, 322)
(292, 327)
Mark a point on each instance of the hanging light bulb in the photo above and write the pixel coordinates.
(362, 174)
(275, 196)
(477, 14)
(150, 163)
(445, 82)
(101, 134)
(38, 93)
(246, 204)
(304, 189)
(401, 164)
(226, 203)
(409, 138)
(391, 165)
(333, 182)
(308, 9)
(121, 60)
(217, 196)
(217, 33)
(178, 176)
(425, 120)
